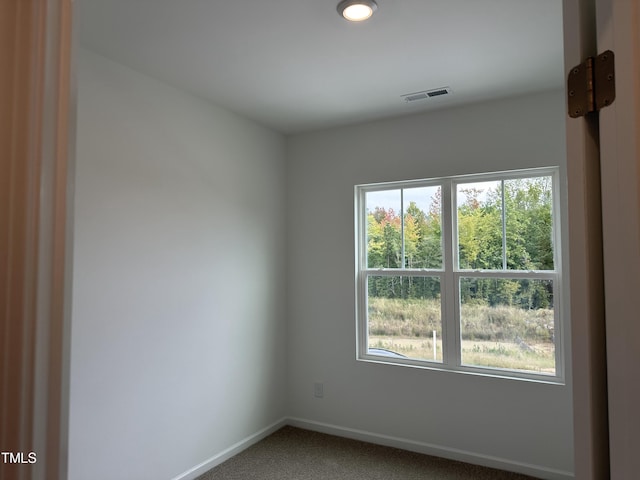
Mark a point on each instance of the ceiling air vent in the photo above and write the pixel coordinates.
(426, 94)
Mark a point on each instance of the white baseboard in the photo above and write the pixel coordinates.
(435, 450)
(379, 439)
(234, 449)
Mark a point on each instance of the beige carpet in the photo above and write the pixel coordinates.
(296, 454)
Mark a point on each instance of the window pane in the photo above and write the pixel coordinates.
(423, 227)
(404, 316)
(384, 240)
(480, 225)
(508, 324)
(528, 207)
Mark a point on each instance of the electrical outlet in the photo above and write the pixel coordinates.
(318, 390)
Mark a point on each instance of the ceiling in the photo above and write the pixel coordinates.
(296, 65)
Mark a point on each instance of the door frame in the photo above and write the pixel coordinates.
(588, 354)
(603, 157)
(35, 242)
(618, 27)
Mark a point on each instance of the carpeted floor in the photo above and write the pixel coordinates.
(296, 454)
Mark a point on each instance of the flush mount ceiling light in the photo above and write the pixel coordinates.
(357, 10)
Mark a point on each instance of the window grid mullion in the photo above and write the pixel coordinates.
(403, 272)
(511, 274)
(450, 323)
(504, 226)
(361, 277)
(402, 253)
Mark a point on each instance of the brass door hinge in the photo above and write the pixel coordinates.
(592, 85)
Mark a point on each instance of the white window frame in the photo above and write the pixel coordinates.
(450, 276)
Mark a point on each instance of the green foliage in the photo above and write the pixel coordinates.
(480, 231)
(422, 238)
(404, 287)
(527, 205)
(527, 211)
(384, 239)
(495, 292)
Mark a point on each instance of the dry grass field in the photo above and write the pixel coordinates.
(534, 358)
(499, 337)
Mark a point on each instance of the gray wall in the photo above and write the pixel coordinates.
(178, 327)
(521, 423)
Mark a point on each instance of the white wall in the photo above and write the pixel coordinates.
(520, 423)
(178, 327)
(180, 219)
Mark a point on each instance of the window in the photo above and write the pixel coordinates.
(462, 273)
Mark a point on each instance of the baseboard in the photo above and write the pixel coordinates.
(234, 449)
(435, 450)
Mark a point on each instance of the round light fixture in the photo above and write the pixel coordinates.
(357, 10)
